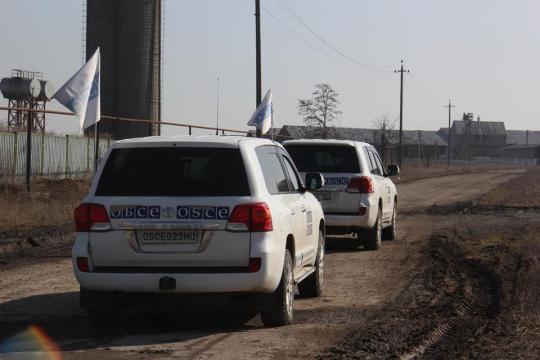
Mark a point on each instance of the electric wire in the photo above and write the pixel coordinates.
(295, 15)
(322, 51)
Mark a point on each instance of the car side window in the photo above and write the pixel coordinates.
(292, 174)
(371, 161)
(378, 168)
(379, 162)
(274, 176)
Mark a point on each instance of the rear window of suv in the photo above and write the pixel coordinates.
(324, 158)
(173, 171)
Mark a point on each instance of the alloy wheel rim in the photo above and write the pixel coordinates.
(290, 294)
(379, 230)
(394, 230)
(321, 265)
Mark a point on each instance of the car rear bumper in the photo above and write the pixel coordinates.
(352, 220)
(187, 280)
(184, 283)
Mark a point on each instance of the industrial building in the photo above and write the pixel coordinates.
(128, 33)
(474, 138)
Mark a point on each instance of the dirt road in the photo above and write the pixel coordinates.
(43, 292)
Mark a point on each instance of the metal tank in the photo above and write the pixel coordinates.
(128, 33)
(47, 90)
(20, 88)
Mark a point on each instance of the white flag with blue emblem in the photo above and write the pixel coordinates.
(262, 117)
(80, 94)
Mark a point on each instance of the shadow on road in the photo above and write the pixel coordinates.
(60, 318)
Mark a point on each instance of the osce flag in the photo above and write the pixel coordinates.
(262, 117)
(80, 94)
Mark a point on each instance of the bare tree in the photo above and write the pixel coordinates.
(384, 126)
(322, 109)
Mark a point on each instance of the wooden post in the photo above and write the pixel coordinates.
(66, 172)
(42, 165)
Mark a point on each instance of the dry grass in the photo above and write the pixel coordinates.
(51, 202)
(521, 191)
(411, 172)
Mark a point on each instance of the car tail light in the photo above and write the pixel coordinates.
(82, 264)
(254, 217)
(362, 184)
(254, 264)
(91, 217)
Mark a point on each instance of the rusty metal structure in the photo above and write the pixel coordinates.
(129, 34)
(26, 90)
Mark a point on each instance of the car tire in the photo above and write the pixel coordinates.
(280, 311)
(312, 286)
(389, 233)
(374, 235)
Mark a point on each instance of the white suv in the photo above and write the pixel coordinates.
(226, 216)
(358, 196)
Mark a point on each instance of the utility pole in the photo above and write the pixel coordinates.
(258, 54)
(449, 150)
(29, 126)
(400, 156)
(217, 107)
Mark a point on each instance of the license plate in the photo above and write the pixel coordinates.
(169, 236)
(323, 196)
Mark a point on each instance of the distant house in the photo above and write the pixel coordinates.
(522, 152)
(273, 131)
(417, 144)
(470, 138)
(522, 137)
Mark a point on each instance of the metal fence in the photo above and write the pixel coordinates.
(52, 155)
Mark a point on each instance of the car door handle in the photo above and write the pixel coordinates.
(304, 209)
(293, 212)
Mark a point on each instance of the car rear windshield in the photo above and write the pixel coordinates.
(325, 158)
(175, 171)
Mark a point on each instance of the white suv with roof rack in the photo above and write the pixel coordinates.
(199, 215)
(358, 196)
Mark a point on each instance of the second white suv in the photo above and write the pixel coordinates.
(358, 195)
(212, 216)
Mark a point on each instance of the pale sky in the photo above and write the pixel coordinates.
(482, 54)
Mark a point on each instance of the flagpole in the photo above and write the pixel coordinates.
(96, 144)
(272, 121)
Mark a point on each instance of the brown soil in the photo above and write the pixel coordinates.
(436, 292)
(51, 202)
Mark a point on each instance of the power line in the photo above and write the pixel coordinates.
(424, 92)
(295, 15)
(310, 44)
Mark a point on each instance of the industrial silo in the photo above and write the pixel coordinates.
(128, 33)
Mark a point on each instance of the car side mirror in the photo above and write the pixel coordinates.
(314, 181)
(393, 170)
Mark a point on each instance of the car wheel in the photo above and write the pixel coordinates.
(280, 311)
(390, 232)
(312, 286)
(374, 235)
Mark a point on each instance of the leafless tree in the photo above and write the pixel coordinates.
(322, 109)
(384, 126)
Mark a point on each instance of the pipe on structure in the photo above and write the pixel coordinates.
(128, 33)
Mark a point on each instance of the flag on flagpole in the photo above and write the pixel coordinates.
(81, 93)
(262, 117)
